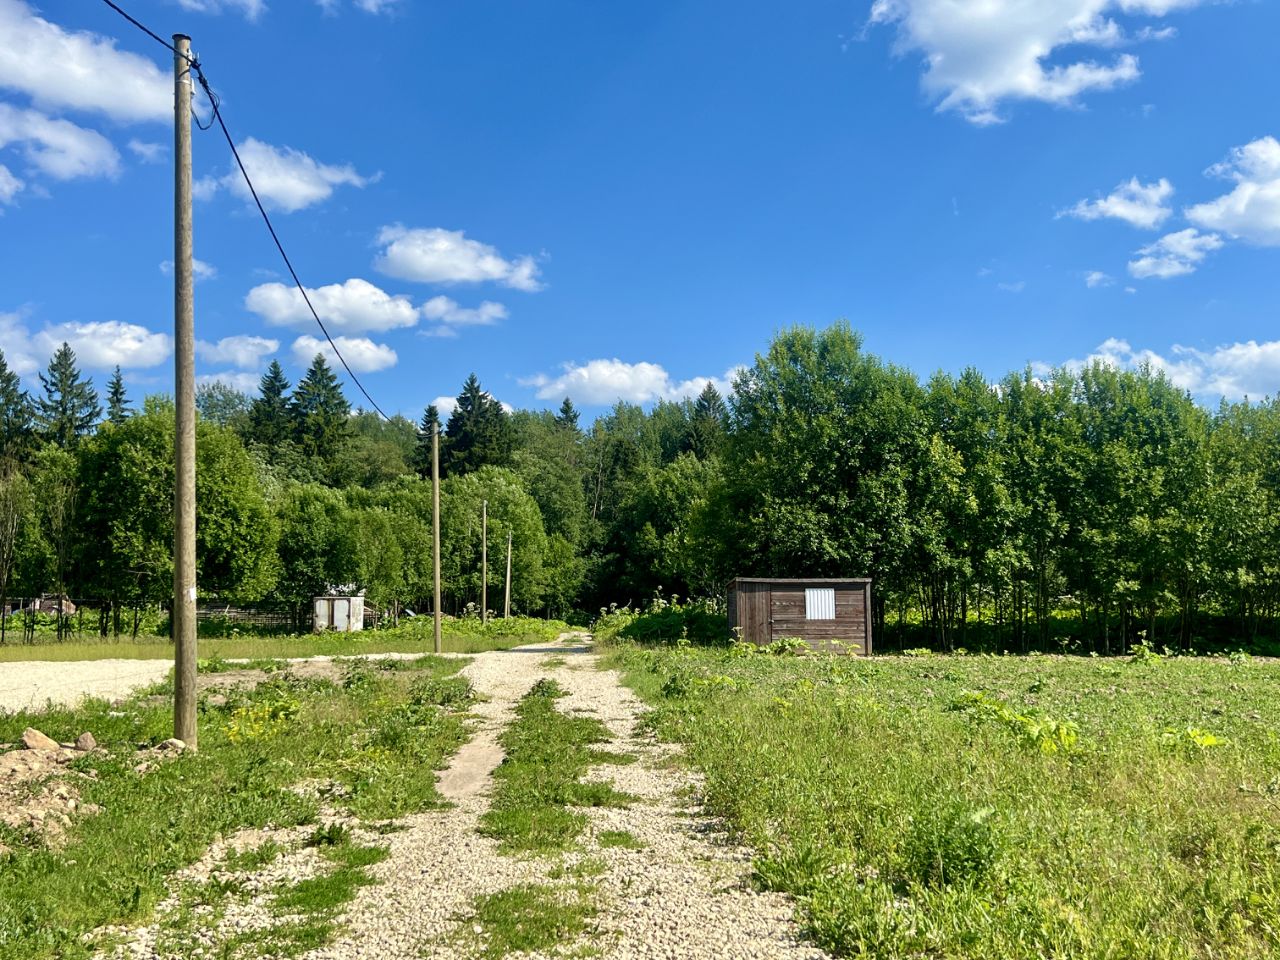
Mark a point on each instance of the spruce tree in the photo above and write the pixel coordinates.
(320, 410)
(479, 432)
(708, 423)
(422, 449)
(117, 403)
(15, 413)
(69, 408)
(270, 417)
(568, 415)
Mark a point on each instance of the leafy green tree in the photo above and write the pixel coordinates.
(819, 464)
(125, 515)
(270, 415)
(224, 406)
(117, 402)
(479, 432)
(16, 414)
(320, 410)
(511, 508)
(376, 451)
(69, 408)
(319, 550)
(15, 514)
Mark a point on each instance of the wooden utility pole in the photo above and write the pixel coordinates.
(484, 561)
(506, 600)
(183, 618)
(435, 524)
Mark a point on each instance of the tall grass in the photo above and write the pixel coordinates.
(993, 807)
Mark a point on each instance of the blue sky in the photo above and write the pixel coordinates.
(624, 200)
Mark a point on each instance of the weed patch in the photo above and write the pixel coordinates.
(547, 752)
(526, 919)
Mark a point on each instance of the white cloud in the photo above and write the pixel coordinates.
(1138, 204)
(1232, 370)
(377, 6)
(15, 341)
(57, 147)
(446, 406)
(78, 70)
(1016, 287)
(199, 269)
(235, 379)
(361, 353)
(604, 381)
(243, 351)
(102, 345)
(286, 179)
(1252, 210)
(356, 306)
(436, 255)
(252, 9)
(1174, 254)
(1096, 278)
(148, 152)
(10, 185)
(979, 55)
(446, 311)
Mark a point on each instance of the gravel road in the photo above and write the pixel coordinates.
(682, 896)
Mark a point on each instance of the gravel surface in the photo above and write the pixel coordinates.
(682, 896)
(30, 684)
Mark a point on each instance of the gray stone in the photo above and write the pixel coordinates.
(85, 742)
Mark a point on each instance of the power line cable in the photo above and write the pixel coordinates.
(215, 104)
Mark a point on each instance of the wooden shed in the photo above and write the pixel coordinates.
(827, 614)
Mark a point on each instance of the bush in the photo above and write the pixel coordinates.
(701, 622)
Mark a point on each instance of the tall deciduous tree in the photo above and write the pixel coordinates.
(69, 408)
(479, 432)
(117, 402)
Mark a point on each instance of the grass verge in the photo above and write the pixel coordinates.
(457, 636)
(547, 751)
(993, 807)
(376, 735)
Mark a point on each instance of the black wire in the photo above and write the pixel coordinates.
(217, 115)
(150, 33)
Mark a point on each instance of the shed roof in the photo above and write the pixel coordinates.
(825, 580)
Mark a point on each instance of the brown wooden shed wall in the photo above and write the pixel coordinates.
(767, 610)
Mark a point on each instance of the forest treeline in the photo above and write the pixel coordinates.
(1090, 508)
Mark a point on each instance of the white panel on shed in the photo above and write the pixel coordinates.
(820, 603)
(341, 613)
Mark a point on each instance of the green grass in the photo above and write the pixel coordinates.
(379, 734)
(993, 807)
(457, 636)
(528, 918)
(619, 838)
(547, 751)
